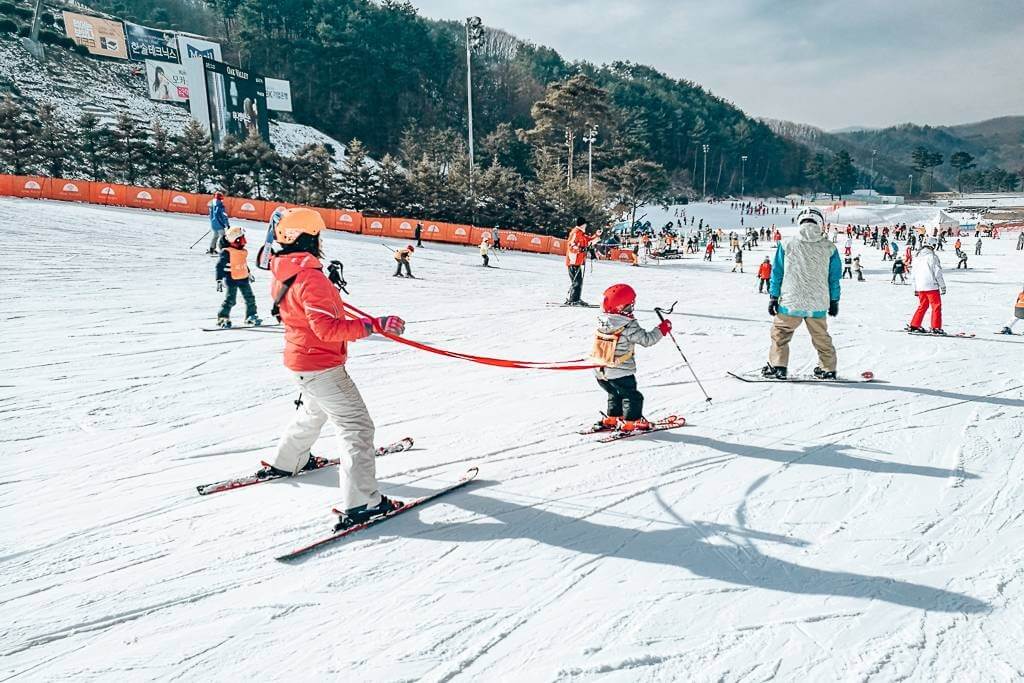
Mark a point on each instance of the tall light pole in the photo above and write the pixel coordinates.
(570, 142)
(474, 39)
(705, 191)
(911, 193)
(873, 153)
(743, 175)
(589, 137)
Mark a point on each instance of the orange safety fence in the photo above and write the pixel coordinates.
(179, 202)
(145, 197)
(69, 190)
(349, 221)
(241, 207)
(108, 194)
(115, 194)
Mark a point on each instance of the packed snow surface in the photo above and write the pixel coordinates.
(811, 532)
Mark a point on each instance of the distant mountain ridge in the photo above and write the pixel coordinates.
(997, 142)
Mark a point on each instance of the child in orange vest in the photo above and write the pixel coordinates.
(233, 269)
(1018, 314)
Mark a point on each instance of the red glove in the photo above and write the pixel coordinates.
(665, 327)
(391, 324)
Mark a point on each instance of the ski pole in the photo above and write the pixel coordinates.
(200, 239)
(661, 316)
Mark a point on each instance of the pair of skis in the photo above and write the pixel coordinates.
(615, 434)
(252, 479)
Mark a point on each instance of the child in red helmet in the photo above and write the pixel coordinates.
(618, 334)
(232, 269)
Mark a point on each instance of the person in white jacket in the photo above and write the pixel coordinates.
(484, 248)
(929, 286)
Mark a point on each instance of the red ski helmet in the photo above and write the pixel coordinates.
(410, 248)
(618, 298)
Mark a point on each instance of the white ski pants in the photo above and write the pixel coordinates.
(332, 395)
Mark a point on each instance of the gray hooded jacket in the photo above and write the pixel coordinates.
(632, 334)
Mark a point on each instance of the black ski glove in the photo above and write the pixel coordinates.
(833, 308)
(220, 286)
(252, 278)
(773, 306)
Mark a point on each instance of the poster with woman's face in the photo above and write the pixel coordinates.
(166, 82)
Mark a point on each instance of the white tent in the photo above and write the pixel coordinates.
(924, 216)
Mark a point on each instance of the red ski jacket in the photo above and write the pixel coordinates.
(316, 327)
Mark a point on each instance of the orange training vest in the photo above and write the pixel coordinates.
(237, 263)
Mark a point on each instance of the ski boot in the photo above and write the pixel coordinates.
(1006, 330)
(937, 331)
(224, 322)
(254, 321)
(638, 425)
(362, 514)
(772, 372)
(315, 462)
(606, 424)
(824, 374)
(915, 330)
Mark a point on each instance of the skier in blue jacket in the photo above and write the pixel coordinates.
(218, 221)
(804, 287)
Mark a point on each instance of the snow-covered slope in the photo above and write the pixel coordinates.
(807, 532)
(74, 84)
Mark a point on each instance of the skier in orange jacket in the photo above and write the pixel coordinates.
(575, 259)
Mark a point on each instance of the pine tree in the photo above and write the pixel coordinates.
(194, 153)
(229, 170)
(17, 139)
(636, 183)
(318, 181)
(93, 147)
(393, 194)
(52, 142)
(165, 167)
(130, 151)
(258, 161)
(358, 183)
(501, 197)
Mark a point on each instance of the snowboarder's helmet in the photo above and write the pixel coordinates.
(234, 233)
(295, 223)
(811, 215)
(410, 248)
(618, 299)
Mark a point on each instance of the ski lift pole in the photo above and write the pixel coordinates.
(200, 239)
(661, 312)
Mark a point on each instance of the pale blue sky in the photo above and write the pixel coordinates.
(830, 63)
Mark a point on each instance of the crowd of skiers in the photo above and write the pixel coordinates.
(802, 280)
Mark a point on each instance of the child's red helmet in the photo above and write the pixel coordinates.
(618, 298)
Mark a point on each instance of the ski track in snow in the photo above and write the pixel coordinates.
(800, 532)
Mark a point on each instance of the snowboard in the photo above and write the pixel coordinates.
(409, 505)
(755, 376)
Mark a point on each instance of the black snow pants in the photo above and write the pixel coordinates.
(622, 391)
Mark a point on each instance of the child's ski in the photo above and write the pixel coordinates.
(670, 422)
(273, 327)
(252, 479)
(337, 536)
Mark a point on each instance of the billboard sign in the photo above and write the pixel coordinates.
(191, 51)
(100, 36)
(237, 103)
(166, 82)
(150, 43)
(279, 94)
